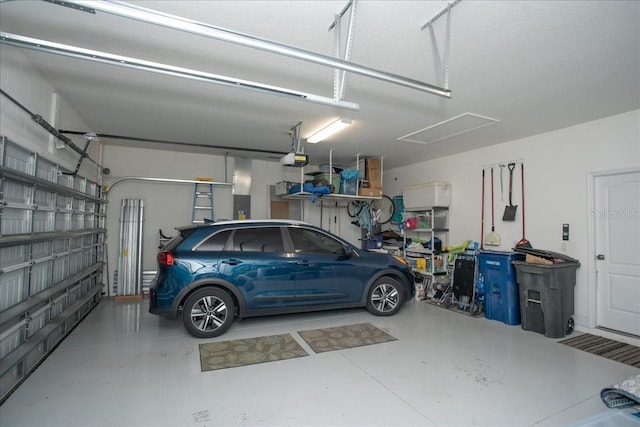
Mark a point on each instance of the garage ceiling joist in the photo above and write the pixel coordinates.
(150, 16)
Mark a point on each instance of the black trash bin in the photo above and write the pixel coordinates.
(546, 296)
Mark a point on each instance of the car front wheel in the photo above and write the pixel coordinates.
(385, 297)
(208, 313)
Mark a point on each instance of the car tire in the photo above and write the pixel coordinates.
(385, 297)
(208, 313)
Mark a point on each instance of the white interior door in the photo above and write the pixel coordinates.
(617, 227)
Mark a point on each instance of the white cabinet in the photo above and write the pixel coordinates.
(425, 235)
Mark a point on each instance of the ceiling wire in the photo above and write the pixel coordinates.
(189, 144)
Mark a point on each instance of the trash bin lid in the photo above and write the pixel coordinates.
(545, 254)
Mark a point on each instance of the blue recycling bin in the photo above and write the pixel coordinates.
(498, 275)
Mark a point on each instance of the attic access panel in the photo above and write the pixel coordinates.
(448, 128)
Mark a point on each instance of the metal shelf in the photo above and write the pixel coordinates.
(416, 253)
(328, 197)
(302, 195)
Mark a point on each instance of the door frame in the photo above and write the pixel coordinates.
(592, 320)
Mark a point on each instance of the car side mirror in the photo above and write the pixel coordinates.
(348, 253)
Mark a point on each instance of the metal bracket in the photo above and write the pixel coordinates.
(339, 76)
(135, 12)
(296, 142)
(442, 66)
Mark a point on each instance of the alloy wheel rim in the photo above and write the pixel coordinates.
(209, 313)
(385, 298)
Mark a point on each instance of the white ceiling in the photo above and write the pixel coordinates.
(535, 66)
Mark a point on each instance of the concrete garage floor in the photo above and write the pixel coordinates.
(123, 366)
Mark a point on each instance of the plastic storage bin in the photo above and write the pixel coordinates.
(331, 179)
(428, 195)
(373, 243)
(498, 276)
(546, 296)
(349, 186)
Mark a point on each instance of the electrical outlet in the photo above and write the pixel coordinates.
(565, 232)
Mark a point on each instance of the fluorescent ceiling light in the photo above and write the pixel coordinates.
(327, 131)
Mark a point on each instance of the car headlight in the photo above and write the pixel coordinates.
(402, 260)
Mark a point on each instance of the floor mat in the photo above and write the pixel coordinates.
(605, 347)
(341, 337)
(248, 351)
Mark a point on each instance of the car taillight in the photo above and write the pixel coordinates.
(165, 258)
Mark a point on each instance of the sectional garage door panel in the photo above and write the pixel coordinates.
(51, 258)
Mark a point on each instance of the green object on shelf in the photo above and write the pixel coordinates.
(457, 249)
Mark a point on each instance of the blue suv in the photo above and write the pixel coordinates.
(216, 272)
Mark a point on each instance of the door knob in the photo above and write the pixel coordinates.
(600, 257)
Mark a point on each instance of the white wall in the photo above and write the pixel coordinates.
(557, 167)
(23, 83)
(169, 205)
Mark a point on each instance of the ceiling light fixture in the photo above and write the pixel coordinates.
(331, 129)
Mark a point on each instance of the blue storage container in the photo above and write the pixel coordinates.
(498, 275)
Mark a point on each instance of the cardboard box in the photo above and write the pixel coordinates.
(370, 192)
(537, 260)
(373, 172)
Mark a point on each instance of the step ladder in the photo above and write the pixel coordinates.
(202, 201)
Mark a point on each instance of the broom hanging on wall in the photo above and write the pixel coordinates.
(492, 238)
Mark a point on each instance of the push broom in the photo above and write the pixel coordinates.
(523, 243)
(492, 239)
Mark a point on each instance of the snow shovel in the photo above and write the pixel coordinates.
(492, 239)
(510, 210)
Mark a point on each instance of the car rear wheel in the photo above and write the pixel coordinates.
(385, 297)
(208, 313)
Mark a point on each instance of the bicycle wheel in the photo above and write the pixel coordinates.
(382, 209)
(354, 208)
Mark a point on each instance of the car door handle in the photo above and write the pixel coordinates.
(304, 263)
(232, 261)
